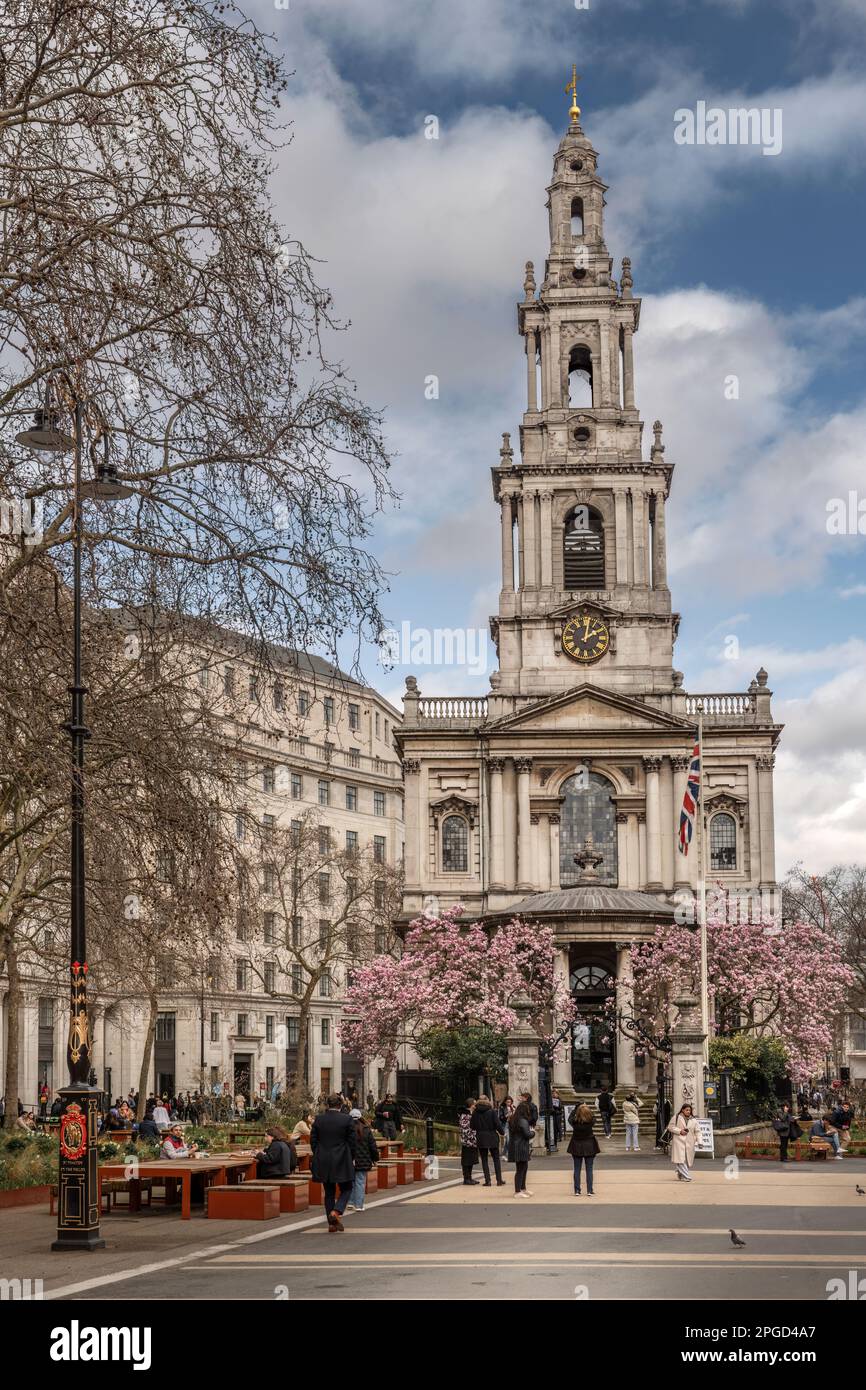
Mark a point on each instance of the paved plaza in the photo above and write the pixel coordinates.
(643, 1236)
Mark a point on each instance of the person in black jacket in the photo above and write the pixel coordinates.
(606, 1108)
(583, 1146)
(521, 1133)
(468, 1142)
(280, 1158)
(366, 1156)
(333, 1141)
(389, 1117)
(488, 1131)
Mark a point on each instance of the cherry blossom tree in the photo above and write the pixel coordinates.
(453, 975)
(765, 979)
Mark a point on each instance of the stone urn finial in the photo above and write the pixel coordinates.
(587, 860)
(529, 281)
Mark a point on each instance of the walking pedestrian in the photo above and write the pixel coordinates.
(606, 1107)
(389, 1117)
(488, 1131)
(558, 1116)
(366, 1156)
(583, 1146)
(788, 1130)
(333, 1142)
(468, 1142)
(521, 1134)
(684, 1130)
(631, 1116)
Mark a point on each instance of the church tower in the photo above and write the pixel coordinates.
(584, 571)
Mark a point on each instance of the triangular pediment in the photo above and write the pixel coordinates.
(588, 706)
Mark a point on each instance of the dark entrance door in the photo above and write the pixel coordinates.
(593, 1054)
(243, 1072)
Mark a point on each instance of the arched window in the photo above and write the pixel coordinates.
(577, 217)
(587, 807)
(580, 376)
(455, 845)
(583, 550)
(723, 841)
(591, 977)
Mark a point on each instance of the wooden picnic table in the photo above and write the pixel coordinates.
(222, 1168)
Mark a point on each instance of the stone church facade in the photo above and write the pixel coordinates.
(587, 730)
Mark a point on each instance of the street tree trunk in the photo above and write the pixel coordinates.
(13, 1013)
(146, 1057)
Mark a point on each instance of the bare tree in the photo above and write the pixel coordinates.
(836, 901)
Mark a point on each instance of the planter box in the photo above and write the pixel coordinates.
(387, 1174)
(243, 1201)
(294, 1193)
(25, 1196)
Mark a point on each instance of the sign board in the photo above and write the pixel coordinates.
(706, 1143)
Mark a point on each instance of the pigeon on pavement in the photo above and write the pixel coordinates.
(735, 1239)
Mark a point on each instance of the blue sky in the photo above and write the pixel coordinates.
(746, 264)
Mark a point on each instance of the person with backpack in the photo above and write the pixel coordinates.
(606, 1107)
(488, 1131)
(366, 1157)
(521, 1134)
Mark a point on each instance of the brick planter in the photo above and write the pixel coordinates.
(24, 1196)
(294, 1194)
(243, 1201)
(387, 1174)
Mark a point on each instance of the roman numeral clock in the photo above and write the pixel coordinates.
(585, 637)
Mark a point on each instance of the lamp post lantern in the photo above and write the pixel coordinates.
(78, 1188)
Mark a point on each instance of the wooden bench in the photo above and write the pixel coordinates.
(294, 1192)
(819, 1148)
(245, 1201)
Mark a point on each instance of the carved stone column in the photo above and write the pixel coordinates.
(687, 1038)
(620, 500)
(497, 823)
(641, 850)
(529, 578)
(546, 540)
(412, 857)
(622, 849)
(680, 766)
(562, 1064)
(634, 879)
(523, 1055)
(534, 833)
(554, 852)
(507, 505)
(667, 815)
(765, 764)
(639, 524)
(660, 550)
(531, 370)
(625, 1071)
(524, 827)
(541, 852)
(653, 824)
(627, 369)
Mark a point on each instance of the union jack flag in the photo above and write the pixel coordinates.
(691, 799)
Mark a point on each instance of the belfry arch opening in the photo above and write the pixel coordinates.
(580, 385)
(577, 217)
(583, 549)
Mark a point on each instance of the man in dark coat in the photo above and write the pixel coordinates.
(332, 1140)
(488, 1130)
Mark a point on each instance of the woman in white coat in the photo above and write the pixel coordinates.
(684, 1130)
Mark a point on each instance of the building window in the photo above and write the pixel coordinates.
(296, 931)
(292, 1032)
(279, 697)
(46, 1013)
(583, 550)
(326, 1032)
(857, 1032)
(214, 1027)
(325, 984)
(303, 702)
(270, 977)
(324, 839)
(242, 974)
(354, 717)
(164, 1028)
(587, 807)
(380, 941)
(324, 792)
(269, 1073)
(455, 845)
(297, 980)
(165, 973)
(377, 723)
(351, 842)
(379, 893)
(202, 677)
(241, 925)
(351, 797)
(254, 690)
(328, 706)
(268, 779)
(213, 972)
(268, 823)
(242, 1025)
(297, 786)
(269, 1028)
(229, 681)
(378, 803)
(269, 928)
(324, 887)
(240, 828)
(269, 878)
(354, 757)
(723, 842)
(378, 849)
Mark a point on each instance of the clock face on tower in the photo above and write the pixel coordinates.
(585, 637)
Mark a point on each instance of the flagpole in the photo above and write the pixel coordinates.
(702, 889)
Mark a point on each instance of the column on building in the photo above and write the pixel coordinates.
(634, 879)
(412, 812)
(680, 766)
(627, 369)
(622, 849)
(660, 552)
(509, 787)
(525, 873)
(497, 823)
(764, 765)
(554, 851)
(521, 542)
(546, 540)
(507, 505)
(620, 501)
(531, 370)
(424, 824)
(641, 849)
(562, 1063)
(544, 350)
(606, 384)
(639, 527)
(653, 824)
(625, 1072)
(530, 543)
(556, 385)
(754, 865)
(541, 851)
(667, 815)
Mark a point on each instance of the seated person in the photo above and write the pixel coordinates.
(303, 1129)
(148, 1128)
(174, 1145)
(822, 1130)
(26, 1122)
(161, 1116)
(841, 1120)
(280, 1158)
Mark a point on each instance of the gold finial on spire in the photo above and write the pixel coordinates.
(574, 109)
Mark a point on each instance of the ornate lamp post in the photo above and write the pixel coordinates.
(78, 1192)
